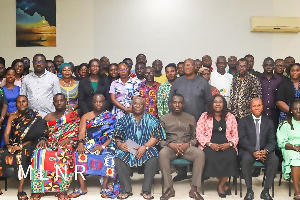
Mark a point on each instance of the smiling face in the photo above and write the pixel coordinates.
(113, 71)
(218, 104)
(58, 61)
(19, 67)
(205, 74)
(138, 105)
(295, 72)
(189, 68)
(66, 72)
(10, 76)
(149, 74)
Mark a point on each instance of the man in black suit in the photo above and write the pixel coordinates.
(253, 148)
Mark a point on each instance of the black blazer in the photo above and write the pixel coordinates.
(247, 134)
(86, 93)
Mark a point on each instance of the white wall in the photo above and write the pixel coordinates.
(170, 30)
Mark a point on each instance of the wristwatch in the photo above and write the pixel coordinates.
(146, 147)
(230, 144)
(103, 147)
(209, 144)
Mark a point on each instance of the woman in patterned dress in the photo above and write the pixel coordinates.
(69, 87)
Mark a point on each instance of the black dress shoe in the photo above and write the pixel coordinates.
(265, 196)
(249, 196)
(180, 177)
(170, 192)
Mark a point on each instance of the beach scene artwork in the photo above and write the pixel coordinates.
(36, 23)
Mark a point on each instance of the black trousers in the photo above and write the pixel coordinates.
(271, 164)
(151, 167)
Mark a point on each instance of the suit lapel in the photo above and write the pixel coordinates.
(90, 88)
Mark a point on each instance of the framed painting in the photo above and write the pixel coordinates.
(36, 23)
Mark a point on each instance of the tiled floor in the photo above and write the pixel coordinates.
(181, 188)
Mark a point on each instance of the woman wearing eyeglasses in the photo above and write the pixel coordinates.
(122, 91)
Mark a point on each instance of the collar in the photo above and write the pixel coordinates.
(254, 118)
(34, 75)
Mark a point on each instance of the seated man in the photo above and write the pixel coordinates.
(257, 143)
(54, 155)
(23, 129)
(136, 135)
(95, 147)
(180, 143)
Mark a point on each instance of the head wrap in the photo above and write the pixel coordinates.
(63, 65)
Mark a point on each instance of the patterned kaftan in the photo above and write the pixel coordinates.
(46, 161)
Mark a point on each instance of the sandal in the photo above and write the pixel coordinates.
(77, 193)
(146, 195)
(36, 196)
(296, 196)
(63, 196)
(124, 195)
(22, 195)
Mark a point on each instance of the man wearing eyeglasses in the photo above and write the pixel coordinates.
(40, 86)
(244, 88)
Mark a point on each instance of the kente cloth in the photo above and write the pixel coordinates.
(140, 132)
(99, 129)
(28, 126)
(52, 168)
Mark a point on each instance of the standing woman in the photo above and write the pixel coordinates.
(205, 72)
(94, 84)
(18, 65)
(11, 92)
(217, 134)
(288, 91)
(122, 91)
(113, 72)
(69, 87)
(83, 70)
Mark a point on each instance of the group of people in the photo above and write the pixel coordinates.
(62, 122)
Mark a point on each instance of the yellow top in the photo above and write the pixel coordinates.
(161, 79)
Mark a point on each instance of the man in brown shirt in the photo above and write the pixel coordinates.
(180, 143)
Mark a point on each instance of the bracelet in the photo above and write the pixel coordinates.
(81, 141)
(1, 117)
(209, 144)
(103, 147)
(73, 108)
